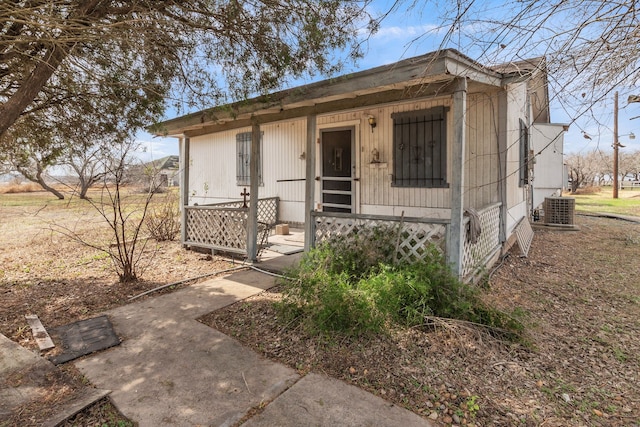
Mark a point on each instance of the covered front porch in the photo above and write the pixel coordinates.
(341, 155)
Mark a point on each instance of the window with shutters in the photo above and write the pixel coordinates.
(420, 148)
(243, 151)
(524, 154)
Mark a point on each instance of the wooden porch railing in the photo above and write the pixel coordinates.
(223, 226)
(416, 233)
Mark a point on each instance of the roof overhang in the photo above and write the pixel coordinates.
(425, 75)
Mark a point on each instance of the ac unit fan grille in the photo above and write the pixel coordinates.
(559, 210)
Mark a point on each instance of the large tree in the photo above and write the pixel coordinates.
(77, 131)
(31, 148)
(55, 51)
(591, 47)
(585, 168)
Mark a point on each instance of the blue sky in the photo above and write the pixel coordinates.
(404, 34)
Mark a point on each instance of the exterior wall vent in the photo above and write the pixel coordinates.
(559, 210)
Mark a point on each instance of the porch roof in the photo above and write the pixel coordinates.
(420, 76)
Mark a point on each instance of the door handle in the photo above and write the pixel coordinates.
(356, 179)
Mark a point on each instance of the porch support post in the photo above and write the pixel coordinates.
(310, 183)
(254, 180)
(184, 185)
(502, 163)
(456, 235)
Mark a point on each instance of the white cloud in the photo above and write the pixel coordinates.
(152, 148)
(408, 32)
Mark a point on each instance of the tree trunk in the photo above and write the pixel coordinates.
(40, 180)
(84, 187)
(29, 88)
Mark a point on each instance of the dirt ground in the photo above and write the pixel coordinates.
(581, 366)
(580, 291)
(42, 272)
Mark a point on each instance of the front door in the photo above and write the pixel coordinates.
(337, 170)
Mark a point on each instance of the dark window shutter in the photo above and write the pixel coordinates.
(420, 148)
(243, 157)
(524, 154)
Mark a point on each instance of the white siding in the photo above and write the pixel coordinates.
(376, 194)
(547, 142)
(213, 160)
(212, 164)
(516, 110)
(482, 165)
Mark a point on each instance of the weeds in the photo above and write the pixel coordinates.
(472, 405)
(356, 286)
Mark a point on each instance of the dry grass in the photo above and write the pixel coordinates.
(44, 273)
(588, 190)
(14, 188)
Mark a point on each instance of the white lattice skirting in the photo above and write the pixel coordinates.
(415, 233)
(476, 255)
(224, 226)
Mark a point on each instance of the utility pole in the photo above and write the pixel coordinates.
(616, 144)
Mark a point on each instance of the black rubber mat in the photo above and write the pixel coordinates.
(83, 337)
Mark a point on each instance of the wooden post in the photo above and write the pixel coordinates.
(456, 235)
(254, 180)
(503, 148)
(184, 185)
(310, 183)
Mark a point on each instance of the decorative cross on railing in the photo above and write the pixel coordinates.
(244, 195)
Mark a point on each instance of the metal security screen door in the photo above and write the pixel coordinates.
(337, 170)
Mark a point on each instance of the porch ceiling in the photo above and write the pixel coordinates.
(426, 75)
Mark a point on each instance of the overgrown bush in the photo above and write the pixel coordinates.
(163, 219)
(355, 286)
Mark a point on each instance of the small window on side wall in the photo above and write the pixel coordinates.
(524, 154)
(243, 152)
(420, 148)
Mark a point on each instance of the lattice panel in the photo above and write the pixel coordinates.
(524, 233)
(415, 236)
(475, 254)
(268, 210)
(221, 228)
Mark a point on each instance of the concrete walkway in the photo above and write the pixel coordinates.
(174, 371)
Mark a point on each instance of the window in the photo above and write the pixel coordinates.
(420, 148)
(524, 154)
(243, 150)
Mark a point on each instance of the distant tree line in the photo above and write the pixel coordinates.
(595, 168)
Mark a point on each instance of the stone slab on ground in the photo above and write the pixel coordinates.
(69, 409)
(40, 334)
(26, 379)
(172, 370)
(279, 263)
(286, 249)
(83, 337)
(318, 400)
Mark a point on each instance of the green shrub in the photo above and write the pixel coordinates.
(354, 286)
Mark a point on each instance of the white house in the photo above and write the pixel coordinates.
(436, 144)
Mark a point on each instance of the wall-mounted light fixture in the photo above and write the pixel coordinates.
(372, 122)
